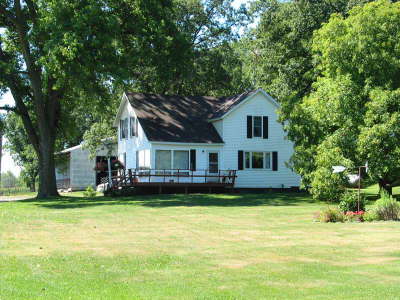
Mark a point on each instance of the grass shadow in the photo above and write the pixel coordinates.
(178, 200)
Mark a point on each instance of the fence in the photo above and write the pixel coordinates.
(11, 191)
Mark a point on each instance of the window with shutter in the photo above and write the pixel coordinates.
(257, 160)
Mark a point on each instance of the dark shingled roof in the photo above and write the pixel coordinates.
(181, 119)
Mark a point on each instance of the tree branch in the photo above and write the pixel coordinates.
(32, 9)
(26, 119)
(7, 14)
(8, 108)
(34, 73)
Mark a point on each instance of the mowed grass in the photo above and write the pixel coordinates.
(225, 246)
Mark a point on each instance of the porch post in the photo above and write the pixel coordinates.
(109, 172)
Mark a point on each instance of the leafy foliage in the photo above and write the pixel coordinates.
(21, 150)
(8, 180)
(100, 136)
(89, 192)
(330, 215)
(349, 202)
(386, 208)
(353, 110)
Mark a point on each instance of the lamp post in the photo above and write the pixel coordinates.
(340, 169)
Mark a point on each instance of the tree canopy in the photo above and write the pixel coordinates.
(355, 104)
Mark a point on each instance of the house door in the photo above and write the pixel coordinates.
(213, 162)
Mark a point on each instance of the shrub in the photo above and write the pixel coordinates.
(326, 186)
(349, 202)
(330, 215)
(387, 208)
(370, 216)
(90, 192)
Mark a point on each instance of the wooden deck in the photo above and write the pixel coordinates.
(173, 178)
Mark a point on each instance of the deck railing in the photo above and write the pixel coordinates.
(132, 177)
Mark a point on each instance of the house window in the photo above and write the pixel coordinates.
(257, 126)
(123, 128)
(181, 160)
(257, 160)
(172, 159)
(247, 159)
(144, 159)
(163, 159)
(133, 123)
(267, 160)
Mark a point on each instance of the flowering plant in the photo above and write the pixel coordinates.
(355, 216)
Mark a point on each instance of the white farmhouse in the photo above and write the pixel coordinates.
(206, 133)
(76, 171)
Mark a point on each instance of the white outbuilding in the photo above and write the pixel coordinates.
(75, 170)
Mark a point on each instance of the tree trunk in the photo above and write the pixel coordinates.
(47, 174)
(32, 184)
(384, 185)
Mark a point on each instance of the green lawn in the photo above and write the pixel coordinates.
(239, 246)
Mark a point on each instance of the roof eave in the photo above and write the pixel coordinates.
(187, 143)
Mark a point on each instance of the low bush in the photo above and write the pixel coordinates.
(89, 192)
(387, 208)
(330, 215)
(370, 216)
(349, 202)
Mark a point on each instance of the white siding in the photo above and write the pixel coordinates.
(82, 168)
(235, 138)
(219, 127)
(131, 144)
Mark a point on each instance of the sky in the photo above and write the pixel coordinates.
(7, 163)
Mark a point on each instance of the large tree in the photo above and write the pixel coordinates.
(280, 60)
(55, 55)
(355, 107)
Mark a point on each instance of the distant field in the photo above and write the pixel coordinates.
(14, 191)
(236, 246)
